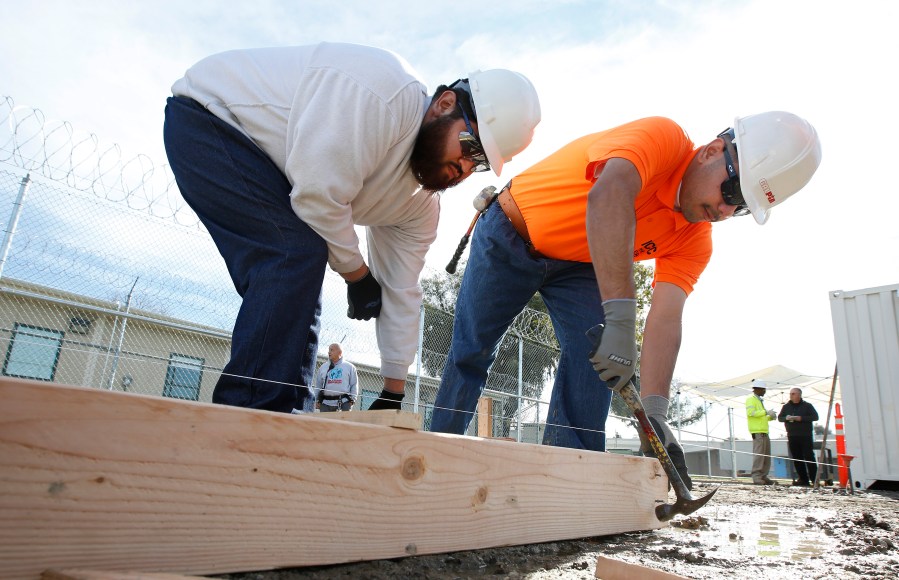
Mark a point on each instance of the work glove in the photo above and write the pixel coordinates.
(656, 408)
(614, 353)
(364, 298)
(772, 414)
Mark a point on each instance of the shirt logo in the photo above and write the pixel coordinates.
(649, 248)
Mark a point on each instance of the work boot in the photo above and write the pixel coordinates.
(769, 481)
(669, 441)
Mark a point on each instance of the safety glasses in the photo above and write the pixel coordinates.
(471, 147)
(730, 188)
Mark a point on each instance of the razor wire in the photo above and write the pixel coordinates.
(56, 150)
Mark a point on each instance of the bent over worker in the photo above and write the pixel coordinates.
(281, 151)
(571, 226)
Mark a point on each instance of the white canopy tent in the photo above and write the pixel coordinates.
(777, 379)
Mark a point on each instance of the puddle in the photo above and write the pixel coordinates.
(764, 532)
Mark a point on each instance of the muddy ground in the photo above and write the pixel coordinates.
(746, 531)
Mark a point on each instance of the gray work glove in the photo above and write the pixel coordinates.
(364, 298)
(772, 414)
(614, 353)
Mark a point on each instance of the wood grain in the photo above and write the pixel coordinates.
(115, 481)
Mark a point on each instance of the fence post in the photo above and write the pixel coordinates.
(14, 221)
(708, 442)
(733, 443)
(421, 343)
(118, 350)
(521, 386)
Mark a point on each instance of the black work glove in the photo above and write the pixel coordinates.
(364, 298)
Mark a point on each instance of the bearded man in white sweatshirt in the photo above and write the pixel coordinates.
(281, 151)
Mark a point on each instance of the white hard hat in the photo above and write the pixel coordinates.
(507, 110)
(778, 153)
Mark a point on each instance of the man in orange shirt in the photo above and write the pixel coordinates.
(571, 226)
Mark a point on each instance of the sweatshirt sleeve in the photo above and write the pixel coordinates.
(331, 151)
(397, 257)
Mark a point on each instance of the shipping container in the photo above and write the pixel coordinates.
(866, 336)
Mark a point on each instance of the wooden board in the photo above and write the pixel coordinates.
(386, 417)
(104, 480)
(485, 417)
(80, 574)
(611, 569)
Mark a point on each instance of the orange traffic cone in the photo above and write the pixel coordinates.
(842, 463)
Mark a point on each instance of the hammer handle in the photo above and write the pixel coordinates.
(630, 395)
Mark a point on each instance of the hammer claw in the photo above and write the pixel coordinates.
(685, 503)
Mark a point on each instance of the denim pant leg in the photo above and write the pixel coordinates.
(500, 278)
(580, 400)
(276, 261)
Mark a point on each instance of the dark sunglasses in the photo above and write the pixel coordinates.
(471, 147)
(730, 188)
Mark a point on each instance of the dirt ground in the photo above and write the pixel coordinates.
(746, 531)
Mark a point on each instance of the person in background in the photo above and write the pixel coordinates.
(758, 418)
(336, 383)
(282, 151)
(798, 416)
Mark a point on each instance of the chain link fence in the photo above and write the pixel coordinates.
(108, 280)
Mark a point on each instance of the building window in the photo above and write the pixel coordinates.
(183, 377)
(33, 353)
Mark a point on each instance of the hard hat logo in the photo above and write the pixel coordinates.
(767, 190)
(777, 152)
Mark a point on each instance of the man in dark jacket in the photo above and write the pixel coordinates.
(798, 416)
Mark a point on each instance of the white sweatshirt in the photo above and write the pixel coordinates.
(340, 120)
(337, 381)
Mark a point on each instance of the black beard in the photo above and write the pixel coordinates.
(426, 161)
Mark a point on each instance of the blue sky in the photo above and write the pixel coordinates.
(106, 67)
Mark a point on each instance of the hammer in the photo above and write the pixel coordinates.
(481, 202)
(684, 504)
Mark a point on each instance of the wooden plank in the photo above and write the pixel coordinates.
(611, 569)
(80, 574)
(485, 417)
(115, 481)
(386, 417)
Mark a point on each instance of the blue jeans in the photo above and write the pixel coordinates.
(500, 278)
(276, 261)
